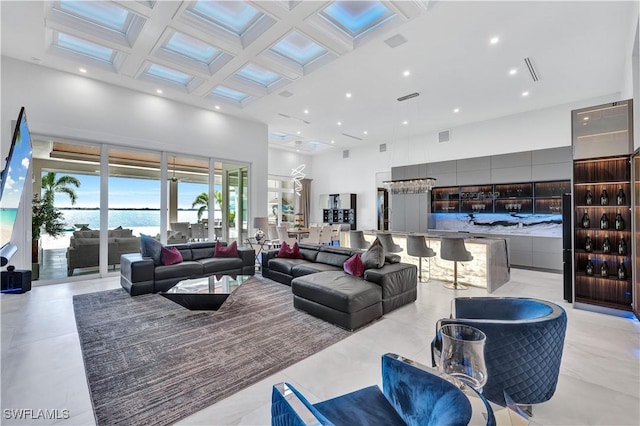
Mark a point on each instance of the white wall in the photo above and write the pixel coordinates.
(66, 106)
(546, 128)
(282, 162)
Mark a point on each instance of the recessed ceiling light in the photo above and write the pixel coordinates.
(513, 71)
(407, 73)
(365, 132)
(82, 70)
(298, 132)
(339, 123)
(297, 150)
(456, 110)
(525, 93)
(585, 118)
(494, 40)
(159, 91)
(332, 141)
(348, 95)
(217, 107)
(306, 111)
(405, 122)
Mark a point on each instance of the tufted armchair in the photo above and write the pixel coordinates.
(525, 339)
(411, 395)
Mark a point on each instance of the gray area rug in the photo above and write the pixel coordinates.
(151, 361)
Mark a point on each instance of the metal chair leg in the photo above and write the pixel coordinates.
(454, 285)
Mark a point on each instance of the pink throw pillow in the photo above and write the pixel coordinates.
(289, 252)
(170, 255)
(229, 251)
(354, 266)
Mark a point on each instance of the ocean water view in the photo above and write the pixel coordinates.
(127, 218)
(140, 221)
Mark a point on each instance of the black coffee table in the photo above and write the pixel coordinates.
(206, 293)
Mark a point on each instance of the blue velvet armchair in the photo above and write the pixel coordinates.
(525, 340)
(411, 394)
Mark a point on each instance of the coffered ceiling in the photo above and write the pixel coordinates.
(327, 75)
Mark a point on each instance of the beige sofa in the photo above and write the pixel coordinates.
(84, 248)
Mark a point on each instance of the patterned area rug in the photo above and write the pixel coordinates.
(151, 361)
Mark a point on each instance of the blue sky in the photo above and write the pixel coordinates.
(128, 193)
(17, 169)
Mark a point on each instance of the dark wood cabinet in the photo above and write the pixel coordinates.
(602, 226)
(526, 197)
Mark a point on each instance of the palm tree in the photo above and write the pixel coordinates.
(202, 200)
(51, 185)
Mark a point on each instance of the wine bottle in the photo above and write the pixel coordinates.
(586, 222)
(589, 268)
(621, 199)
(622, 247)
(589, 197)
(619, 222)
(604, 269)
(622, 271)
(606, 245)
(588, 244)
(604, 221)
(604, 197)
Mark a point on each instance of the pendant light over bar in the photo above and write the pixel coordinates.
(410, 186)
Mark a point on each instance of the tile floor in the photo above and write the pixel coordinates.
(599, 384)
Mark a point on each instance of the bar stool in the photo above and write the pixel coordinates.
(453, 248)
(357, 241)
(417, 247)
(387, 242)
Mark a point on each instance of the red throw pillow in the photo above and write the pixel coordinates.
(170, 255)
(290, 252)
(354, 266)
(229, 251)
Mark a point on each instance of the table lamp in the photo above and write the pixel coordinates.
(260, 223)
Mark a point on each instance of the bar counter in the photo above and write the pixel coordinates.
(489, 268)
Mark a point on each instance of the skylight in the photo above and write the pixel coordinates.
(259, 75)
(234, 16)
(299, 48)
(191, 48)
(280, 135)
(229, 94)
(169, 74)
(355, 18)
(84, 47)
(106, 14)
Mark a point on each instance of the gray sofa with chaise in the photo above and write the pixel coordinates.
(322, 288)
(139, 275)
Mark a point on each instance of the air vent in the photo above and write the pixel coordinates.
(293, 118)
(286, 94)
(395, 41)
(383, 147)
(409, 96)
(444, 136)
(351, 136)
(345, 153)
(532, 70)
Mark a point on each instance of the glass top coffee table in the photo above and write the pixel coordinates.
(206, 293)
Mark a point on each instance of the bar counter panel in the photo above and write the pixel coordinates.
(489, 268)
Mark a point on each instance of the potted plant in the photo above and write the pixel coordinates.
(44, 217)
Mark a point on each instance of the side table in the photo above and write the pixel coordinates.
(258, 246)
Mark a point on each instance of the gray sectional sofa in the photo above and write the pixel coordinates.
(322, 288)
(139, 275)
(84, 248)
